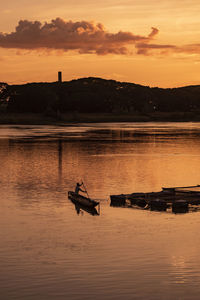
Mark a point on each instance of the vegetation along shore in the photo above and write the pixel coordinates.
(96, 100)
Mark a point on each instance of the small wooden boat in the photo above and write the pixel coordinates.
(87, 202)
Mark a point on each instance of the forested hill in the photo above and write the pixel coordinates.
(96, 95)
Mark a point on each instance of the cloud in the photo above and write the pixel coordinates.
(146, 49)
(153, 33)
(164, 49)
(84, 37)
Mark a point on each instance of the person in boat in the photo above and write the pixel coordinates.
(78, 188)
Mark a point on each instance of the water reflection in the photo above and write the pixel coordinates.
(47, 249)
(180, 269)
(128, 132)
(60, 153)
(80, 209)
(122, 167)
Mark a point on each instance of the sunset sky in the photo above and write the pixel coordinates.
(150, 42)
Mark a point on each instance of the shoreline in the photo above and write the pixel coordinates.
(41, 119)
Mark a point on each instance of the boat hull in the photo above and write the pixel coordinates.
(80, 208)
(87, 202)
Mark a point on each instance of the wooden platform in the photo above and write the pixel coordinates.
(176, 198)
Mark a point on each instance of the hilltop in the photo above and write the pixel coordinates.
(113, 100)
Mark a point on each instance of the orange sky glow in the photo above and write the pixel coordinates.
(150, 42)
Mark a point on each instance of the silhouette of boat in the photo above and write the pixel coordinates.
(80, 208)
(81, 200)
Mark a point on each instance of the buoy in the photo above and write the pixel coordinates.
(158, 204)
(180, 206)
(118, 200)
(141, 203)
(132, 200)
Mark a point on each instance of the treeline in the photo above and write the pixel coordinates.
(96, 95)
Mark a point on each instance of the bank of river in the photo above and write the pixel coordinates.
(74, 117)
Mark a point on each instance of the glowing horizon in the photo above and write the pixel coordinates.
(144, 42)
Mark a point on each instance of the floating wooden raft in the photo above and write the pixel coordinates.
(175, 197)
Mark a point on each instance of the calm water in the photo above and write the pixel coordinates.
(48, 251)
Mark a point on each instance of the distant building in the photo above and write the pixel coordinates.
(59, 76)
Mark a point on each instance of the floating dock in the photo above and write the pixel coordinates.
(178, 199)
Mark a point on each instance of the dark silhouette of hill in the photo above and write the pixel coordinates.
(96, 95)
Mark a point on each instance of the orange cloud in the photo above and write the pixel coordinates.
(84, 37)
(152, 49)
(146, 49)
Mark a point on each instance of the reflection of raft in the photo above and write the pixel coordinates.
(178, 198)
(87, 202)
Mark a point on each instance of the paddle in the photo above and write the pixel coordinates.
(88, 195)
(85, 189)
